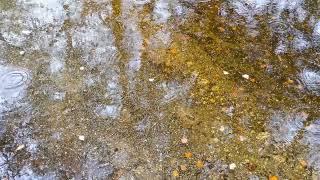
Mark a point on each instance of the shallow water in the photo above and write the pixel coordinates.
(141, 89)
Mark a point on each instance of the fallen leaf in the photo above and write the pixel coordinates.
(199, 164)
(183, 167)
(303, 163)
(188, 155)
(175, 173)
(273, 178)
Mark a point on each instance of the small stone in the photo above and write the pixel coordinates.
(22, 53)
(20, 147)
(222, 128)
(184, 140)
(232, 166)
(242, 138)
(246, 76)
(151, 79)
(26, 32)
(81, 138)
(225, 72)
(81, 68)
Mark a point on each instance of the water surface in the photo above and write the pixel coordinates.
(141, 89)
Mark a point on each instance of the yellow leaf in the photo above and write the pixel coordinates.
(188, 155)
(273, 178)
(175, 173)
(200, 164)
(183, 167)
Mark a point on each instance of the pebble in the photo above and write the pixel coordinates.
(225, 72)
(20, 147)
(246, 76)
(232, 166)
(222, 128)
(184, 140)
(81, 138)
(26, 32)
(242, 138)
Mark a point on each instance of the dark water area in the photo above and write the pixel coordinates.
(160, 89)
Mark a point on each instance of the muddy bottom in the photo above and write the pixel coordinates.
(159, 89)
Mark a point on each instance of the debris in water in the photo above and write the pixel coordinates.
(151, 79)
(199, 164)
(242, 138)
(183, 167)
(246, 76)
(232, 166)
(226, 72)
(273, 178)
(81, 68)
(175, 173)
(303, 163)
(222, 128)
(81, 138)
(184, 140)
(188, 155)
(22, 53)
(26, 32)
(20, 147)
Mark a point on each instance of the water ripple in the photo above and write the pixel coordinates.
(284, 127)
(13, 79)
(310, 79)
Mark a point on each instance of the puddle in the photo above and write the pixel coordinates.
(141, 89)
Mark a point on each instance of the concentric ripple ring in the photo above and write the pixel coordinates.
(14, 79)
